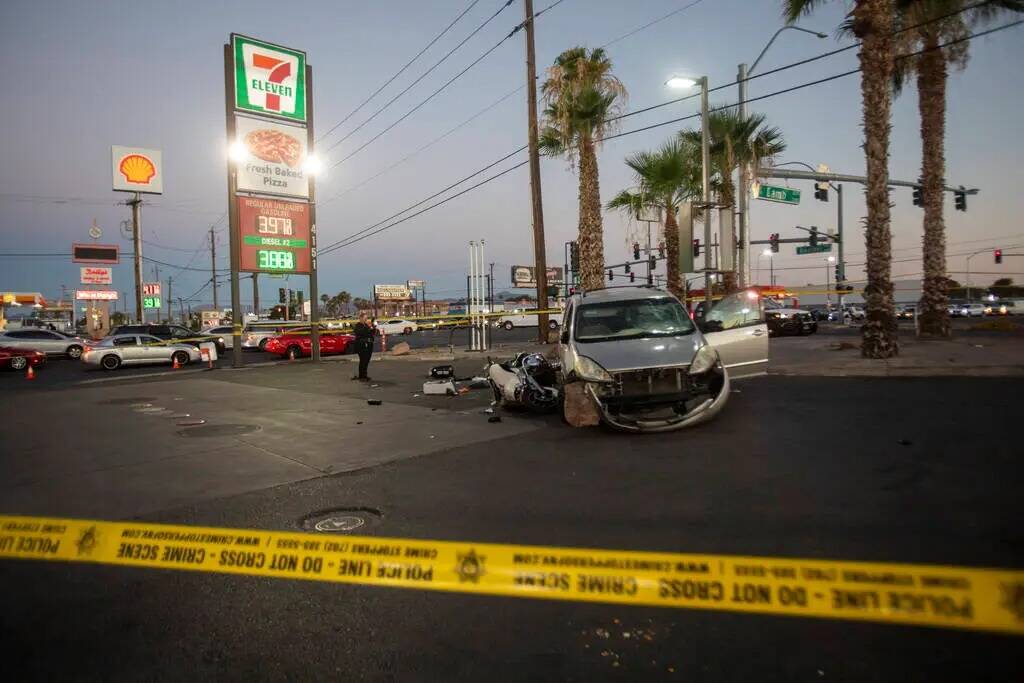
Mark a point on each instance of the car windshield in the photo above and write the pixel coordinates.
(633, 319)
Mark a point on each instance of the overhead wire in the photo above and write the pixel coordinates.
(400, 71)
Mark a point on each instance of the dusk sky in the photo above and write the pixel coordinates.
(79, 77)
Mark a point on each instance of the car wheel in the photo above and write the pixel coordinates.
(407, 330)
(294, 352)
(181, 357)
(74, 352)
(19, 363)
(508, 325)
(552, 324)
(263, 345)
(110, 362)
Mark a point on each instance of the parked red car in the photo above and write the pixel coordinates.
(296, 343)
(19, 359)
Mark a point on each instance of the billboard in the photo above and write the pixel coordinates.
(392, 292)
(137, 170)
(96, 295)
(523, 276)
(274, 154)
(95, 253)
(269, 79)
(273, 236)
(97, 275)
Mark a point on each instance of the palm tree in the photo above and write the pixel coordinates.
(581, 95)
(664, 178)
(873, 21)
(736, 143)
(323, 301)
(928, 24)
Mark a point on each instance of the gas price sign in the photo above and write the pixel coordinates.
(274, 236)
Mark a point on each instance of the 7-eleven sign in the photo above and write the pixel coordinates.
(269, 79)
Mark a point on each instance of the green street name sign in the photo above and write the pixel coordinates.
(783, 195)
(821, 248)
(269, 79)
(274, 241)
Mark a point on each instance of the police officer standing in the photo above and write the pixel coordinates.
(364, 332)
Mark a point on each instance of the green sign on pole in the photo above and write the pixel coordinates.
(151, 302)
(783, 195)
(817, 249)
(269, 79)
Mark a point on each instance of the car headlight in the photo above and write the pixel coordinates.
(590, 370)
(703, 360)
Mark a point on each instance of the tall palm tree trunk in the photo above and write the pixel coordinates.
(591, 237)
(933, 316)
(672, 246)
(873, 23)
(730, 282)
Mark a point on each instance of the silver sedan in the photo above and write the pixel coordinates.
(137, 349)
(50, 343)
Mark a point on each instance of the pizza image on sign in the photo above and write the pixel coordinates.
(275, 146)
(269, 79)
(137, 170)
(274, 153)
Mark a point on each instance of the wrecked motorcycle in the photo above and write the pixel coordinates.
(528, 380)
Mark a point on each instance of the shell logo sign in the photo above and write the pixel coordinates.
(137, 170)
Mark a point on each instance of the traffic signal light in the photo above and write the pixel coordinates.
(998, 254)
(636, 251)
(661, 249)
(917, 197)
(280, 295)
(960, 200)
(609, 275)
(696, 248)
(627, 268)
(821, 191)
(773, 240)
(632, 277)
(814, 236)
(839, 273)
(574, 256)
(653, 262)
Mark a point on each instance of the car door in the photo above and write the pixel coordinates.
(17, 339)
(152, 349)
(735, 327)
(128, 345)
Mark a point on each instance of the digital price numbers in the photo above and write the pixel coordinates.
(271, 259)
(274, 225)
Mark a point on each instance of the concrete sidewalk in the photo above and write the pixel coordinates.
(835, 352)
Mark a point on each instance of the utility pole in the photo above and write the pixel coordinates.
(170, 281)
(490, 290)
(213, 268)
(743, 262)
(181, 311)
(540, 258)
(255, 296)
(136, 205)
(156, 279)
(841, 269)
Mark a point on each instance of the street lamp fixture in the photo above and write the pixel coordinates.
(313, 165)
(680, 82)
(238, 152)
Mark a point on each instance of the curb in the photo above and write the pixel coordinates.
(904, 371)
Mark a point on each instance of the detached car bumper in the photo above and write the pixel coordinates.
(702, 399)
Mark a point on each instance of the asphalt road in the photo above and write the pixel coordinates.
(905, 470)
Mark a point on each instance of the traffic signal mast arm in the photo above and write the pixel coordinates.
(786, 174)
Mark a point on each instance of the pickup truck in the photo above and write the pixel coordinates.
(514, 319)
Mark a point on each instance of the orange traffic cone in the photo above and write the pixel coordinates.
(30, 373)
(176, 365)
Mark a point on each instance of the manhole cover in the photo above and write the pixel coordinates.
(219, 430)
(127, 401)
(340, 520)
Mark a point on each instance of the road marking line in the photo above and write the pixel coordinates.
(175, 373)
(908, 594)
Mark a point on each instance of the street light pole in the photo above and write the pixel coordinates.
(705, 188)
(743, 208)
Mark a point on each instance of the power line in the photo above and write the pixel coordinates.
(349, 240)
(652, 23)
(400, 71)
(421, 77)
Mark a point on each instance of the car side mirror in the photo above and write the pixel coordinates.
(564, 338)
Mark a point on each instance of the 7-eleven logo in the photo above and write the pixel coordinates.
(271, 80)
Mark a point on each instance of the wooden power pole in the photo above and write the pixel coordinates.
(540, 258)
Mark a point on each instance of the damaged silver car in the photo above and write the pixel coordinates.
(647, 366)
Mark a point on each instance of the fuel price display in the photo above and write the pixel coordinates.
(274, 236)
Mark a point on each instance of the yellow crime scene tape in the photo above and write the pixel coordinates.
(909, 594)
